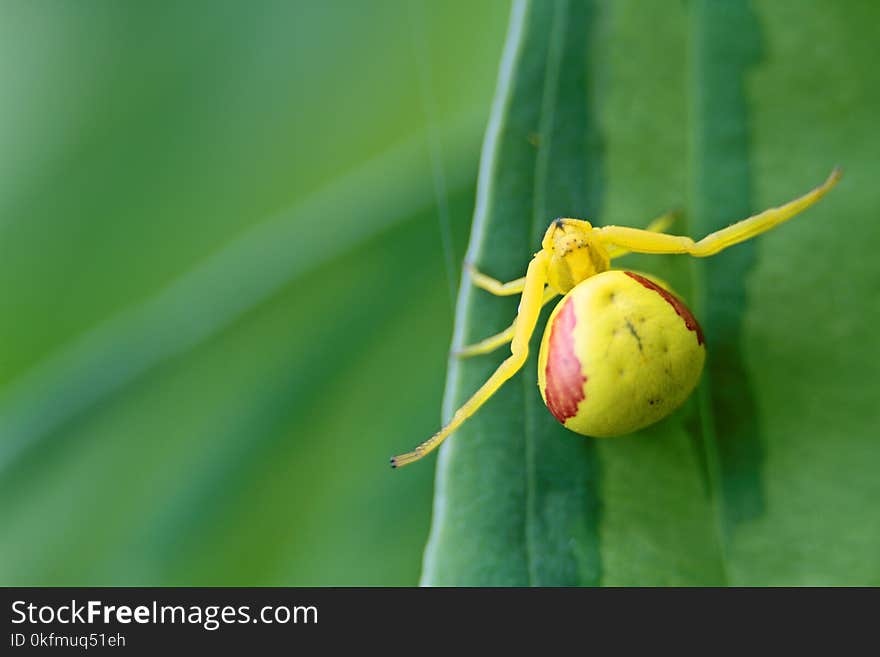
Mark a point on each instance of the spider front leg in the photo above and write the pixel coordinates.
(493, 285)
(642, 241)
(659, 225)
(499, 339)
(524, 326)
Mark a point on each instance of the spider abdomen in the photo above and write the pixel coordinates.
(619, 353)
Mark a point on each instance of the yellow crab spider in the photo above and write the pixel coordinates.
(620, 350)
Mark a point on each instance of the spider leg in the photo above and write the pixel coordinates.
(659, 225)
(526, 319)
(500, 339)
(494, 286)
(642, 241)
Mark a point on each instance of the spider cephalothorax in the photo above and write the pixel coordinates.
(574, 254)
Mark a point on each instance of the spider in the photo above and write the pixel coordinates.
(620, 350)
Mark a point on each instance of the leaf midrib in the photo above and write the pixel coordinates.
(545, 132)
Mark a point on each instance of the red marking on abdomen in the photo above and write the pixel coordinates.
(564, 377)
(683, 311)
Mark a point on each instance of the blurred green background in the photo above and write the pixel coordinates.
(229, 234)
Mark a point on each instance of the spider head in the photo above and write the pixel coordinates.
(574, 254)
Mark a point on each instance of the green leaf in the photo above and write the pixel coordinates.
(615, 112)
